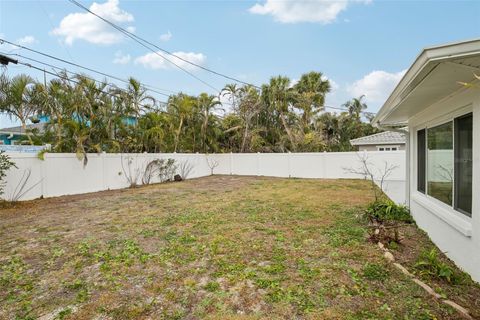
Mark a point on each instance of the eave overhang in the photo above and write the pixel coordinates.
(436, 74)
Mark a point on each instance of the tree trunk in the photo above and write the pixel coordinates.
(24, 126)
(204, 133)
(245, 134)
(289, 132)
(177, 135)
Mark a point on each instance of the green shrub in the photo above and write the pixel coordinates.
(5, 165)
(388, 211)
(429, 264)
(373, 271)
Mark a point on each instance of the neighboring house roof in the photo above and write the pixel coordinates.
(436, 73)
(20, 131)
(387, 137)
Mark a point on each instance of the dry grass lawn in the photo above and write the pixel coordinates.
(217, 248)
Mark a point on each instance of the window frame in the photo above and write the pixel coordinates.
(455, 164)
(463, 112)
(388, 148)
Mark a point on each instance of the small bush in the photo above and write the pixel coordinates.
(386, 218)
(373, 271)
(164, 169)
(388, 211)
(429, 264)
(5, 165)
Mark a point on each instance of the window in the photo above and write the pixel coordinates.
(463, 164)
(444, 163)
(421, 160)
(389, 148)
(440, 162)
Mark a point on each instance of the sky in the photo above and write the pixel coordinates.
(362, 46)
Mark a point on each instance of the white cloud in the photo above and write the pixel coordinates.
(288, 11)
(166, 36)
(26, 40)
(154, 61)
(87, 27)
(376, 86)
(121, 58)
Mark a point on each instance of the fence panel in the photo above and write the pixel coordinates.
(61, 174)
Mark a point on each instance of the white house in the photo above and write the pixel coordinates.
(382, 141)
(439, 100)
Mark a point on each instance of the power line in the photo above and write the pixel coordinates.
(115, 77)
(75, 73)
(78, 65)
(345, 109)
(134, 38)
(60, 76)
(142, 42)
(29, 65)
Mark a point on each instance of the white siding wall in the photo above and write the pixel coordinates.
(454, 233)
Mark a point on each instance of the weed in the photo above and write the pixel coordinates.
(429, 264)
(373, 271)
(63, 314)
(212, 286)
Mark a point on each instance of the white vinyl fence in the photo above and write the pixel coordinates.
(61, 174)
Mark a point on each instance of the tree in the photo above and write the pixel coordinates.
(248, 108)
(207, 104)
(355, 106)
(90, 116)
(231, 91)
(310, 91)
(17, 99)
(181, 106)
(278, 96)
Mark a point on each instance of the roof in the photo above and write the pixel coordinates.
(387, 137)
(435, 74)
(20, 131)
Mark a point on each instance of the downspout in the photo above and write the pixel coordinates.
(407, 158)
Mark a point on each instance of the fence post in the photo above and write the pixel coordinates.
(104, 182)
(258, 163)
(324, 164)
(231, 163)
(289, 164)
(43, 176)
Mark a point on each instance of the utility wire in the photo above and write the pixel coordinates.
(29, 65)
(78, 65)
(118, 78)
(134, 38)
(143, 43)
(345, 109)
(75, 73)
(60, 76)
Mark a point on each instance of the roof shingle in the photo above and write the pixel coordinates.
(387, 137)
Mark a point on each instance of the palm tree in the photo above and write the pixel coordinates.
(279, 96)
(181, 105)
(356, 106)
(17, 99)
(248, 108)
(310, 91)
(231, 91)
(206, 104)
(135, 98)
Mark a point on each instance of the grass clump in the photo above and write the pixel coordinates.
(373, 271)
